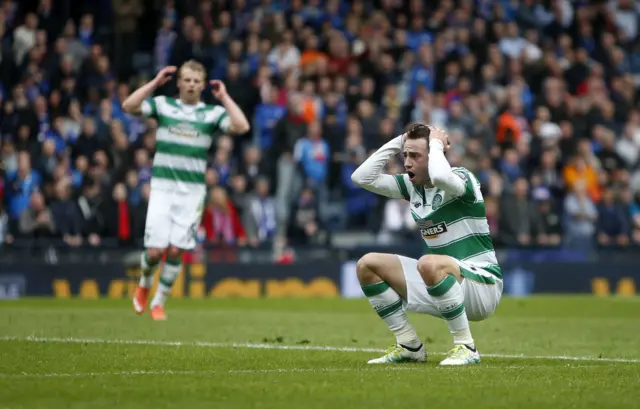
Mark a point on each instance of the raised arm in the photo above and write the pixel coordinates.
(369, 174)
(237, 121)
(440, 172)
(133, 104)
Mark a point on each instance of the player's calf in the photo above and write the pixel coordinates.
(149, 261)
(440, 274)
(386, 301)
(170, 271)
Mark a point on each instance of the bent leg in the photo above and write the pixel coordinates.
(441, 274)
(382, 281)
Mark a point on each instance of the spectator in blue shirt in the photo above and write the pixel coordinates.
(266, 117)
(422, 74)
(55, 134)
(21, 184)
(510, 166)
(417, 36)
(312, 154)
(359, 203)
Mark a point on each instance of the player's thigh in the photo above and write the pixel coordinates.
(417, 298)
(186, 214)
(385, 266)
(482, 291)
(158, 223)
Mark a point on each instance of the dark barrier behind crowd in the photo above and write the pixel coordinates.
(317, 273)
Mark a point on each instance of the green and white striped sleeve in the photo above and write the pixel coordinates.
(149, 107)
(221, 120)
(471, 185)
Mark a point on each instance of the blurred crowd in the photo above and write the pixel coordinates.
(539, 99)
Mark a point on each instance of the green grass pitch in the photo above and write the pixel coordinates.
(539, 352)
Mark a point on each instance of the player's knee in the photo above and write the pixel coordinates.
(366, 268)
(154, 255)
(432, 268)
(174, 253)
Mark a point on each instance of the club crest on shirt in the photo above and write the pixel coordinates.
(200, 115)
(437, 201)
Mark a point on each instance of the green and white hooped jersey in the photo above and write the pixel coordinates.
(453, 226)
(183, 138)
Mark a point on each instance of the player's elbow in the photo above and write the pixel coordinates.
(128, 107)
(244, 128)
(357, 177)
(240, 129)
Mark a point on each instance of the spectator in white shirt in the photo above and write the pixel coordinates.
(24, 38)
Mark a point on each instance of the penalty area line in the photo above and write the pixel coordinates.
(72, 340)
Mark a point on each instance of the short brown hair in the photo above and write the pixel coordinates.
(193, 65)
(419, 131)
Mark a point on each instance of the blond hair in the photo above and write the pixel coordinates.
(193, 65)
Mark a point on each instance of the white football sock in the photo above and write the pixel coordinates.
(449, 300)
(388, 304)
(170, 272)
(147, 270)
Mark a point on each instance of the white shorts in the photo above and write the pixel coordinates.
(173, 218)
(482, 290)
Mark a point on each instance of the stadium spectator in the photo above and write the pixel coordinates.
(613, 221)
(252, 167)
(65, 214)
(5, 235)
(221, 221)
(550, 217)
(260, 214)
(306, 226)
(537, 92)
(126, 15)
(520, 222)
(37, 220)
(21, 184)
(581, 217)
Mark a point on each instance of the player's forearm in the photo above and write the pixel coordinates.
(370, 170)
(133, 103)
(440, 171)
(237, 119)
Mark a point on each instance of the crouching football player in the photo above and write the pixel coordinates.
(459, 279)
